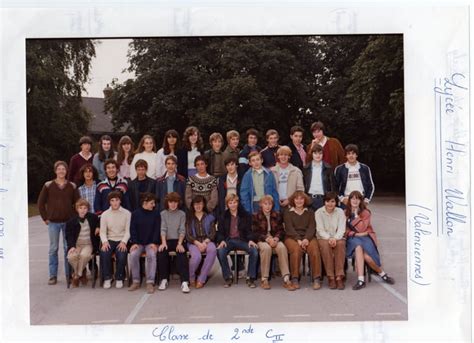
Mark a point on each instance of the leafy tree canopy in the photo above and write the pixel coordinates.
(55, 75)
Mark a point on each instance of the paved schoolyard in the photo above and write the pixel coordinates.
(215, 304)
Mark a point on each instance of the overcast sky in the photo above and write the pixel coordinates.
(110, 61)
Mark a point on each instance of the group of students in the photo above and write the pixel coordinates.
(284, 200)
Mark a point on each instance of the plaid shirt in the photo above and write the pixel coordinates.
(88, 193)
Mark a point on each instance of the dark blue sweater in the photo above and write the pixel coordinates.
(145, 227)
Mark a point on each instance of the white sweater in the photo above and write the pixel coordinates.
(150, 158)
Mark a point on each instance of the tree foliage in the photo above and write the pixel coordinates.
(55, 75)
(354, 84)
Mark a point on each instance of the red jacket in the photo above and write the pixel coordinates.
(361, 224)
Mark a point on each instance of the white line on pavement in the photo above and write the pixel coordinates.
(246, 316)
(137, 308)
(389, 217)
(154, 318)
(388, 314)
(201, 317)
(341, 314)
(390, 289)
(296, 315)
(106, 321)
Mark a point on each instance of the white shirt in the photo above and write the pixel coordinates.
(354, 182)
(191, 156)
(150, 158)
(316, 186)
(160, 162)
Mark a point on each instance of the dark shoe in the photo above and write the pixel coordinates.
(251, 283)
(358, 285)
(52, 280)
(265, 284)
(340, 284)
(332, 282)
(228, 282)
(388, 279)
(295, 283)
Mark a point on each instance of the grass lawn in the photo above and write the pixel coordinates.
(33, 210)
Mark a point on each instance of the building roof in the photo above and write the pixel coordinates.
(101, 122)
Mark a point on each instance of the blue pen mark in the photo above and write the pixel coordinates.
(275, 337)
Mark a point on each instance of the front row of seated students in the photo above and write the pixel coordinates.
(322, 235)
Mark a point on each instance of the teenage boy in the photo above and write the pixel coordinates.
(318, 177)
(140, 185)
(235, 232)
(257, 182)
(353, 176)
(252, 139)
(269, 152)
(111, 183)
(114, 236)
(171, 181)
(215, 156)
(227, 184)
(56, 206)
(289, 179)
(83, 157)
(144, 236)
(232, 149)
(333, 154)
(298, 153)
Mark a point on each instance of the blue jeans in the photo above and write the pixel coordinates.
(106, 258)
(54, 230)
(238, 244)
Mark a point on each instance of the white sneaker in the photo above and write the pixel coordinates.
(119, 284)
(107, 284)
(163, 285)
(185, 287)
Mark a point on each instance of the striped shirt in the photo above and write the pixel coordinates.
(88, 193)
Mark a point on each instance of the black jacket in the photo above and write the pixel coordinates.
(73, 227)
(329, 182)
(295, 157)
(134, 193)
(182, 156)
(244, 226)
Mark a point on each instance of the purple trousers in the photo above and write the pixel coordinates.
(196, 258)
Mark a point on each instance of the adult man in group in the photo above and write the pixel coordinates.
(56, 206)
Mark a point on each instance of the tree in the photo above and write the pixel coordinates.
(215, 83)
(353, 83)
(55, 75)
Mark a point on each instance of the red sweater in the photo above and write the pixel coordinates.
(76, 162)
(57, 204)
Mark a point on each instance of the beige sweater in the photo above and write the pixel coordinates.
(115, 225)
(295, 178)
(330, 225)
